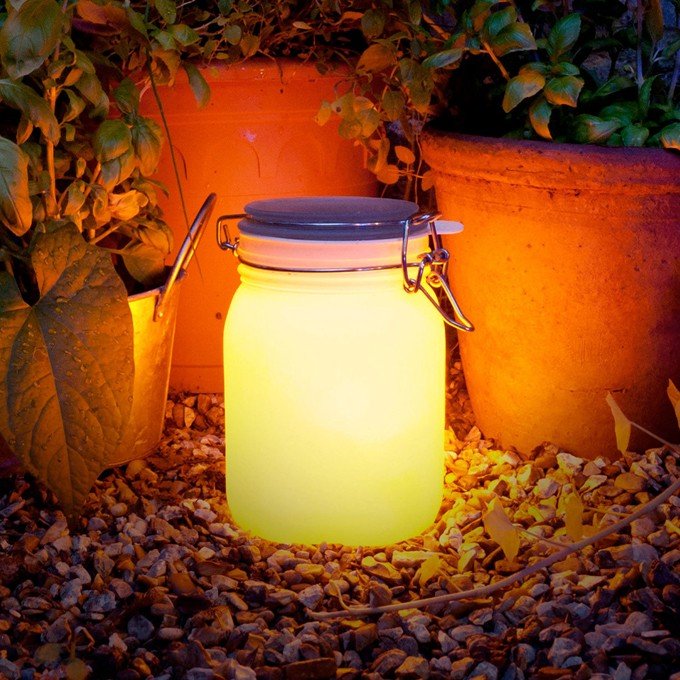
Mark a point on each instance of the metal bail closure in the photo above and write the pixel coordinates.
(223, 238)
(436, 263)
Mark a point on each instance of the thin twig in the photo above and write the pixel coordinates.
(484, 591)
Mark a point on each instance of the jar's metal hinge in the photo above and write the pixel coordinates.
(433, 268)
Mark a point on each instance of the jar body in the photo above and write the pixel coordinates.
(334, 400)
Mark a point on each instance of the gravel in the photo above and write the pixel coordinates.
(158, 583)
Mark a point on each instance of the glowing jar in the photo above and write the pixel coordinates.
(334, 374)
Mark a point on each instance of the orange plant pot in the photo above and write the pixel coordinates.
(569, 267)
(256, 138)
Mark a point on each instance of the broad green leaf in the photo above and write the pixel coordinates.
(75, 105)
(539, 116)
(183, 34)
(167, 9)
(147, 141)
(136, 21)
(415, 11)
(249, 44)
(156, 235)
(393, 103)
(497, 21)
(372, 23)
(112, 140)
(501, 529)
(522, 86)
(622, 425)
(126, 96)
(565, 68)
(563, 36)
(444, 58)
(66, 364)
(106, 13)
(573, 520)
(377, 57)
(323, 115)
(634, 135)
(115, 171)
(144, 263)
(89, 86)
(29, 35)
(405, 155)
(513, 38)
(593, 130)
(613, 85)
(563, 90)
(16, 211)
(126, 205)
(232, 34)
(670, 136)
(167, 42)
(75, 198)
(199, 85)
(34, 107)
(625, 112)
(654, 19)
(389, 174)
(645, 96)
(674, 396)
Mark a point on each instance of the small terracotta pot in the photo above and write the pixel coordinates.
(257, 138)
(569, 267)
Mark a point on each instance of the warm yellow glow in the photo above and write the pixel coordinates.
(334, 395)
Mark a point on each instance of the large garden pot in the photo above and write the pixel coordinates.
(569, 267)
(256, 138)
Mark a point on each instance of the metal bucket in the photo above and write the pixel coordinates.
(154, 314)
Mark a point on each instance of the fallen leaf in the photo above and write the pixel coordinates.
(429, 569)
(573, 522)
(501, 529)
(621, 424)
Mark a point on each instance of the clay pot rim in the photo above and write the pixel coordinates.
(548, 148)
(552, 165)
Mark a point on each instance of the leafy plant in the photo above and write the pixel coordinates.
(79, 229)
(587, 71)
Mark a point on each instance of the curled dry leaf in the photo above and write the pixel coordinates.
(501, 529)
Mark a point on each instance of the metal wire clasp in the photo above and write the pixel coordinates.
(433, 268)
(223, 238)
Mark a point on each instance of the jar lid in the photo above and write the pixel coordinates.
(330, 218)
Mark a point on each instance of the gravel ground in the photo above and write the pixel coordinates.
(158, 583)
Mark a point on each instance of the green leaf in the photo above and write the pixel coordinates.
(501, 529)
(444, 58)
(111, 140)
(674, 396)
(125, 206)
(565, 68)
(34, 107)
(522, 86)
(144, 263)
(393, 103)
(654, 19)
(645, 96)
(136, 21)
(126, 96)
(199, 85)
(634, 135)
(29, 35)
(404, 154)
(16, 211)
(115, 171)
(372, 23)
(167, 9)
(377, 57)
(147, 141)
(513, 38)
(66, 365)
(613, 85)
(89, 86)
(183, 34)
(250, 44)
(74, 106)
(593, 130)
(563, 90)
(497, 21)
(563, 36)
(670, 136)
(539, 117)
(625, 112)
(622, 425)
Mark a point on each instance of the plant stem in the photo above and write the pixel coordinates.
(49, 155)
(484, 591)
(496, 60)
(676, 68)
(638, 48)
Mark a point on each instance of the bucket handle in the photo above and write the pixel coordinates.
(186, 252)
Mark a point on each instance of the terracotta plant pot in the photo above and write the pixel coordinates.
(569, 267)
(256, 138)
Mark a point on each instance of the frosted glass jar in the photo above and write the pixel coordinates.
(334, 380)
